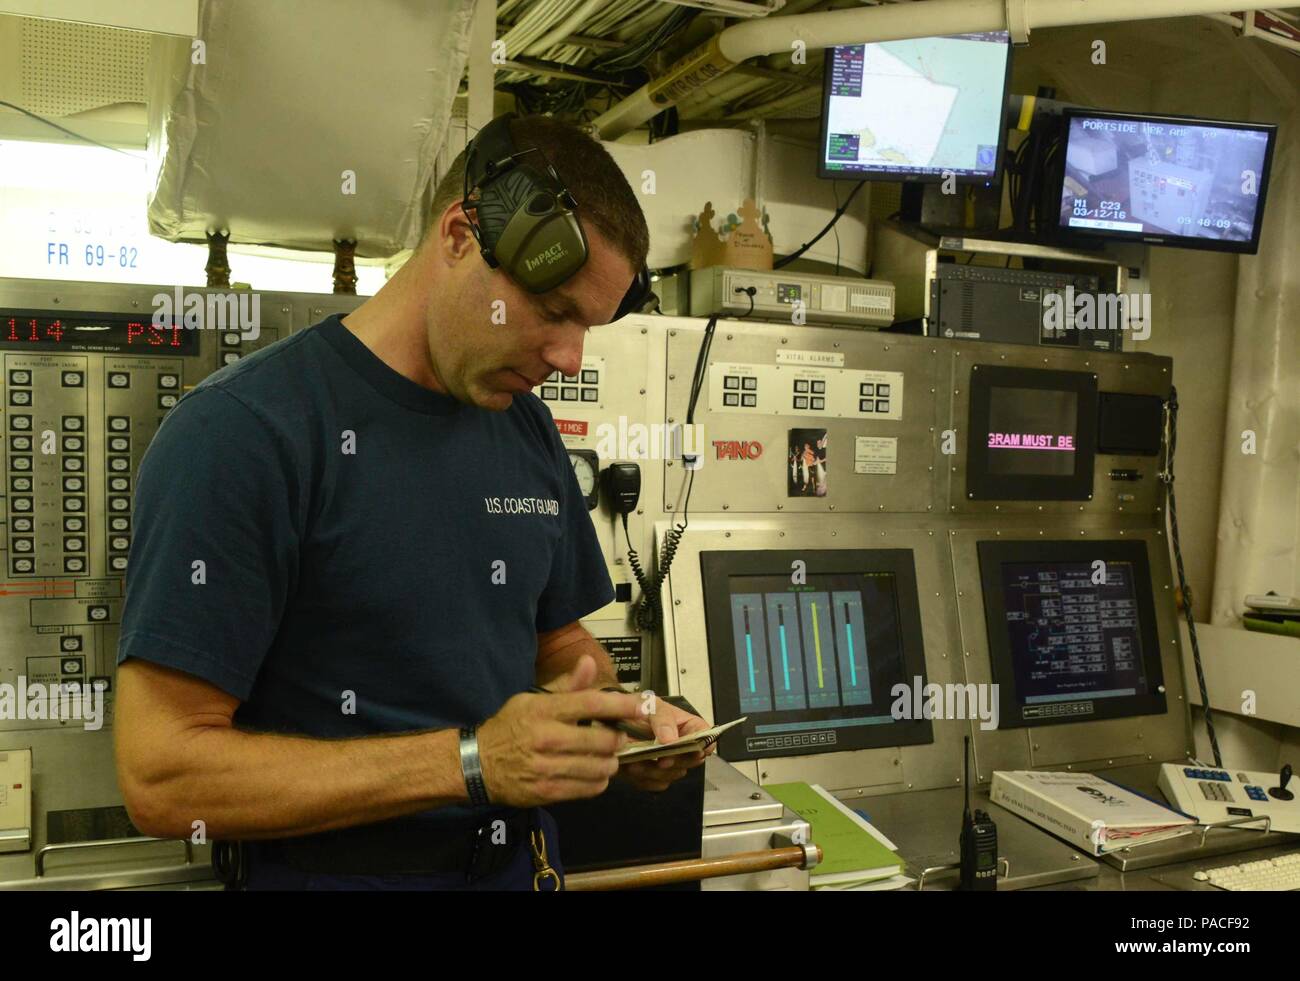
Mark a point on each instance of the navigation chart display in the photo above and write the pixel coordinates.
(916, 109)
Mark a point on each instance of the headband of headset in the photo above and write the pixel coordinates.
(525, 218)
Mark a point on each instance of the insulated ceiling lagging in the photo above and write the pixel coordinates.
(299, 122)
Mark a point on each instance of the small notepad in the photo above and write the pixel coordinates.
(696, 742)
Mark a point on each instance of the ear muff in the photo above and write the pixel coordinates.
(530, 224)
(526, 220)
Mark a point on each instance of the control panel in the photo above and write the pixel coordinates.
(1211, 795)
(792, 297)
(88, 372)
(583, 388)
(76, 427)
(807, 389)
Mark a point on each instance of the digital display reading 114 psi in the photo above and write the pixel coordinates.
(33, 330)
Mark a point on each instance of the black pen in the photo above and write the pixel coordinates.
(620, 726)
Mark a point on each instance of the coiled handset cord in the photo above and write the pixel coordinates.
(649, 612)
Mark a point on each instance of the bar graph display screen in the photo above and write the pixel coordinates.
(811, 657)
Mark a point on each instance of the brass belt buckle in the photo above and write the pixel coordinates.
(544, 873)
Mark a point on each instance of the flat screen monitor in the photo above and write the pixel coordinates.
(1165, 180)
(1032, 434)
(1071, 628)
(808, 645)
(916, 110)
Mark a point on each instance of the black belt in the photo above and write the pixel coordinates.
(397, 847)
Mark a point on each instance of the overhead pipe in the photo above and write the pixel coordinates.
(560, 32)
(895, 22)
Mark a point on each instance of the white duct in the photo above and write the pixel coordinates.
(304, 121)
(689, 169)
(725, 166)
(893, 22)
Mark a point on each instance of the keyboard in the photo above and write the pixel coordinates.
(1280, 874)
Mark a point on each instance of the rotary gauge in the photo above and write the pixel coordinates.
(586, 467)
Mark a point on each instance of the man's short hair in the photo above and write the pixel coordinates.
(605, 199)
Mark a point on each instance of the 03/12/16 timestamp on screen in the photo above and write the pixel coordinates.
(64, 254)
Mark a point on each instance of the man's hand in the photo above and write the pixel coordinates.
(534, 752)
(667, 722)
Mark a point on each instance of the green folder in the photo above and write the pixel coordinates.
(1286, 626)
(850, 853)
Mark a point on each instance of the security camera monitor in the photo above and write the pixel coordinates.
(1166, 180)
(1072, 633)
(920, 109)
(808, 645)
(1032, 434)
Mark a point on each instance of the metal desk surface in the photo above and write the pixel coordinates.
(925, 825)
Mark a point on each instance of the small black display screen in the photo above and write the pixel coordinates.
(1032, 434)
(1032, 431)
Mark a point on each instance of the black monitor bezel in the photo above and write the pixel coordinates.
(994, 553)
(717, 567)
(900, 176)
(981, 484)
(1066, 235)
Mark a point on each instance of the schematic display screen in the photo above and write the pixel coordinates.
(1070, 633)
(1032, 431)
(93, 332)
(1071, 628)
(811, 661)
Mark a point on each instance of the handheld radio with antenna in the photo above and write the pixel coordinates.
(979, 842)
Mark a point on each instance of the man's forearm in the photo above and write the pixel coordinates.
(264, 785)
(562, 661)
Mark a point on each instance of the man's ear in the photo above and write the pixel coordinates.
(453, 237)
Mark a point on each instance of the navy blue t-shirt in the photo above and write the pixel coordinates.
(309, 523)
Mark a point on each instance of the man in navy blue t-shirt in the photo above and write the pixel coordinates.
(358, 542)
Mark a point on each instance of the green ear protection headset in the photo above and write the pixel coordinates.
(526, 220)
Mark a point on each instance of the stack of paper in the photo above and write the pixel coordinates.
(696, 742)
(1086, 810)
(875, 885)
(853, 852)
